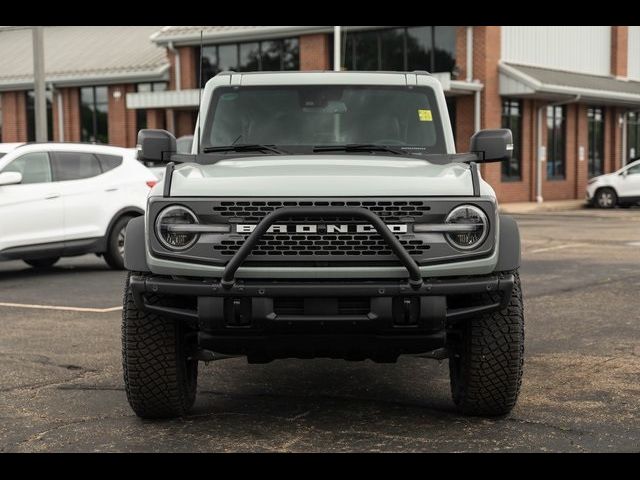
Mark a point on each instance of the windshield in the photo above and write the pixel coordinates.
(325, 115)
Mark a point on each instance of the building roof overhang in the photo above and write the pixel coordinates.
(526, 81)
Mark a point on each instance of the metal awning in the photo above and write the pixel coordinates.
(165, 99)
(189, 98)
(526, 81)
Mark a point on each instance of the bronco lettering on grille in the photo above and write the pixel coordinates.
(328, 228)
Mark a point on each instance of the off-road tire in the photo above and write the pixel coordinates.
(114, 255)
(42, 262)
(486, 359)
(160, 380)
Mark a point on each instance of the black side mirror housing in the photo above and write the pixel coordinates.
(155, 145)
(492, 145)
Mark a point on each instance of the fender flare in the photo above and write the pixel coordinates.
(509, 245)
(135, 255)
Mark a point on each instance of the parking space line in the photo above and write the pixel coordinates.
(57, 307)
(557, 247)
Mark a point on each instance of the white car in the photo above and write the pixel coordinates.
(618, 188)
(63, 199)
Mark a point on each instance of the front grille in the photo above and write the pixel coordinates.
(333, 245)
(388, 210)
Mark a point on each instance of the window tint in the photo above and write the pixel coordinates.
(74, 166)
(34, 167)
(314, 115)
(109, 162)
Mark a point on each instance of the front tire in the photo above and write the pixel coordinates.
(487, 357)
(606, 198)
(42, 262)
(114, 256)
(159, 377)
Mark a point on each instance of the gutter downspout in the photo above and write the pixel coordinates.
(539, 160)
(178, 73)
(469, 54)
(337, 62)
(624, 138)
(58, 98)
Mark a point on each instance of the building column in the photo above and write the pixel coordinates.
(155, 118)
(486, 55)
(314, 52)
(619, 50)
(122, 120)
(582, 140)
(14, 117)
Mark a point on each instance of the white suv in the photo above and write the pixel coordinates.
(63, 199)
(618, 188)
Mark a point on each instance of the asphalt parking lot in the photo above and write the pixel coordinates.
(61, 385)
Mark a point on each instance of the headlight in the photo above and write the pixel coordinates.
(474, 227)
(170, 228)
(592, 181)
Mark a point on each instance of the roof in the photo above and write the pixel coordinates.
(533, 81)
(80, 55)
(190, 35)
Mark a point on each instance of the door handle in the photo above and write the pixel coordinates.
(51, 196)
(114, 189)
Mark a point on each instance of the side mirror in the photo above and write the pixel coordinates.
(10, 178)
(492, 145)
(155, 145)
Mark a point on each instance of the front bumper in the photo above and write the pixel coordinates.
(252, 302)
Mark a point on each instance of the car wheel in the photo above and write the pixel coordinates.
(42, 262)
(606, 198)
(160, 377)
(486, 358)
(114, 256)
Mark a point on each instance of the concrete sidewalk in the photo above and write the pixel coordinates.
(550, 206)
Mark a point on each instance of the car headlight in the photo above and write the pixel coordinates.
(592, 181)
(474, 227)
(172, 227)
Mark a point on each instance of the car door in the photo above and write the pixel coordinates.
(629, 184)
(31, 212)
(78, 174)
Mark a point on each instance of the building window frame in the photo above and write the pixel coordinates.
(596, 131)
(93, 133)
(511, 118)
(431, 40)
(633, 135)
(286, 46)
(556, 142)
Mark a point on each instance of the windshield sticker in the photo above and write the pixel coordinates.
(425, 115)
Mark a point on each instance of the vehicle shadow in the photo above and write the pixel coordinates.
(17, 270)
(333, 391)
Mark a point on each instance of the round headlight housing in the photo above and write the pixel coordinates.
(474, 227)
(169, 231)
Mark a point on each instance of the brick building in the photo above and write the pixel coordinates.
(570, 94)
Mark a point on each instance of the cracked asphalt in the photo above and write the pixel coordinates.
(61, 385)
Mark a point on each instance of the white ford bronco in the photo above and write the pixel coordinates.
(322, 214)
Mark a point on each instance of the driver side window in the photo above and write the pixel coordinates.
(34, 167)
